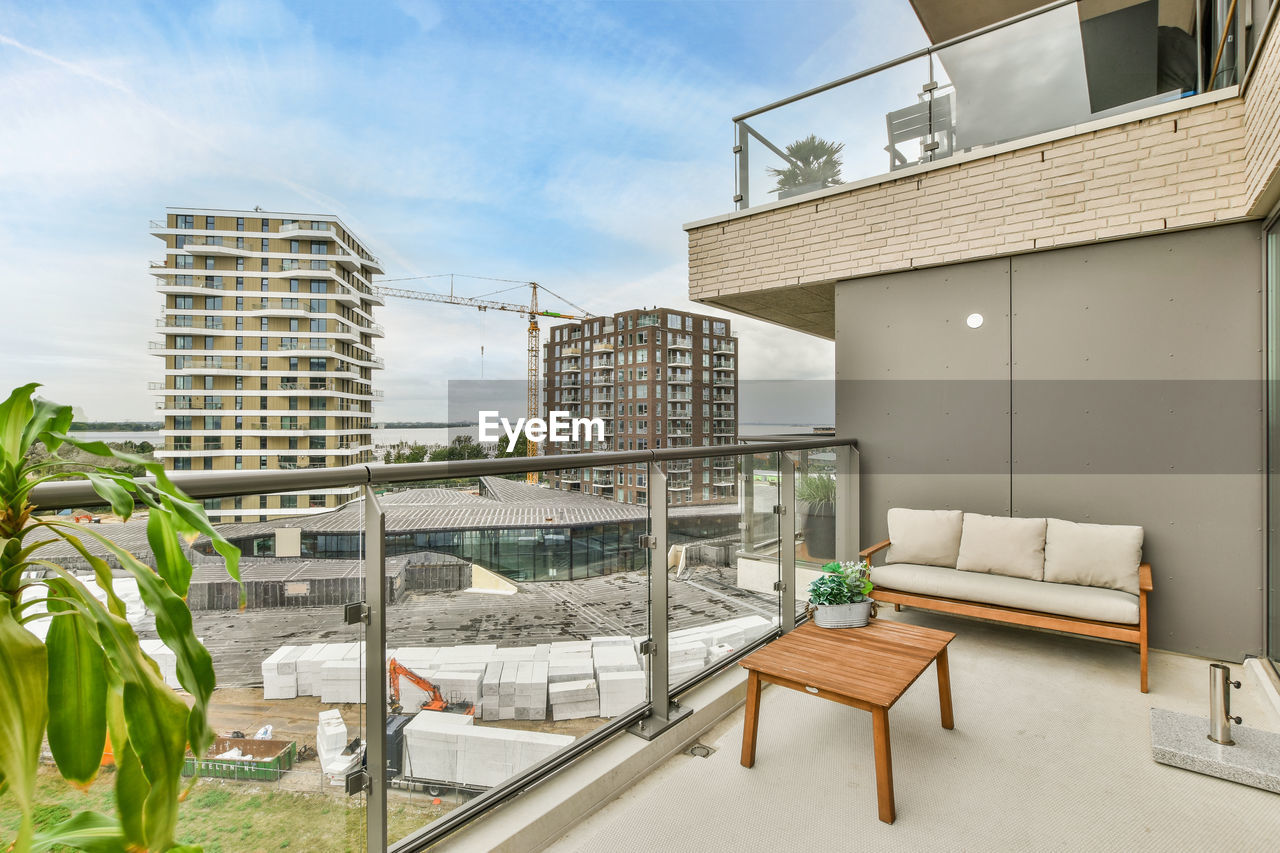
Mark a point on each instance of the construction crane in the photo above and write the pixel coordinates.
(532, 311)
(434, 701)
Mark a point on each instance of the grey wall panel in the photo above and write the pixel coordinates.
(1202, 540)
(1113, 383)
(1137, 399)
(926, 396)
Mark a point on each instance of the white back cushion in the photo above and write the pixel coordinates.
(1102, 555)
(1003, 546)
(929, 537)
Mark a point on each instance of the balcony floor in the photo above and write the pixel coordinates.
(1051, 749)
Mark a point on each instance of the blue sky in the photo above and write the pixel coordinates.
(559, 142)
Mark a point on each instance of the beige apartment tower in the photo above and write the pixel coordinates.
(268, 349)
(657, 377)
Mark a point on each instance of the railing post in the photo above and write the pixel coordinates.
(375, 669)
(740, 150)
(848, 505)
(787, 538)
(663, 713)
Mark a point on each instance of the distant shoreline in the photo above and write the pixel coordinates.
(423, 424)
(116, 426)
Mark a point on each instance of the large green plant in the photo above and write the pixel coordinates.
(813, 163)
(90, 677)
(816, 489)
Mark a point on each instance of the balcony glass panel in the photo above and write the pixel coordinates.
(721, 588)
(1059, 68)
(485, 684)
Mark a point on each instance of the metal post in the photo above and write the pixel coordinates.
(663, 712)
(787, 538)
(1220, 718)
(848, 503)
(746, 489)
(375, 672)
(740, 150)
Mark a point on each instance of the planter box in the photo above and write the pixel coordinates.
(263, 760)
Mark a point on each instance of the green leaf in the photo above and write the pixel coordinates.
(77, 695)
(101, 571)
(15, 413)
(90, 832)
(171, 560)
(46, 418)
(23, 712)
(118, 496)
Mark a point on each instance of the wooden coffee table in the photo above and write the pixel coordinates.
(868, 668)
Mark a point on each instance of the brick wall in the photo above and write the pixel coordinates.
(1262, 130)
(1180, 169)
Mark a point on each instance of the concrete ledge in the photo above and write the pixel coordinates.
(541, 815)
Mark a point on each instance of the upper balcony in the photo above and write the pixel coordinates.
(1069, 123)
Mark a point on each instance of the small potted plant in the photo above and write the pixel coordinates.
(840, 596)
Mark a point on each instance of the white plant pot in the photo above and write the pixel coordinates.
(853, 615)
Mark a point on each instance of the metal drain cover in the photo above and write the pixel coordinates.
(700, 750)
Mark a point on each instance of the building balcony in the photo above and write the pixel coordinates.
(680, 361)
(1022, 699)
(674, 343)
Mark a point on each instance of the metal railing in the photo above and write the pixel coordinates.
(647, 720)
(970, 92)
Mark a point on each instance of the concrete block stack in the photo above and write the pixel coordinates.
(686, 657)
(570, 661)
(280, 673)
(531, 690)
(342, 680)
(491, 692)
(507, 690)
(574, 700)
(459, 685)
(610, 656)
(490, 756)
(307, 669)
(620, 691)
(433, 745)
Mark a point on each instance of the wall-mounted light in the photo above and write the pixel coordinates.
(973, 321)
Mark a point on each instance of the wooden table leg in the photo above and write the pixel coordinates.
(884, 764)
(944, 690)
(752, 722)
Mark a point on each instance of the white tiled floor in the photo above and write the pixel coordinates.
(1051, 750)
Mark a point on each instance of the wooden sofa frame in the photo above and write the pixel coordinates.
(1136, 634)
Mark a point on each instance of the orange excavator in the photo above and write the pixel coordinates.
(435, 700)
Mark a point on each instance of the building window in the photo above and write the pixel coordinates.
(184, 262)
(184, 221)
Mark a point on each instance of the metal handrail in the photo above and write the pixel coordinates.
(915, 54)
(224, 484)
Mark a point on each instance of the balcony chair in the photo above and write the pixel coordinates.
(929, 120)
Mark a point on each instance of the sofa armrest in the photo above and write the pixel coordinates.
(1144, 577)
(866, 553)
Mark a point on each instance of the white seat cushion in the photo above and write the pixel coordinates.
(1102, 555)
(1082, 602)
(1001, 545)
(927, 536)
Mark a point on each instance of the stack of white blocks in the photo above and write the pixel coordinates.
(165, 658)
(280, 673)
(568, 678)
(341, 677)
(570, 661)
(449, 748)
(307, 669)
(531, 689)
(573, 700)
(433, 745)
(619, 677)
(331, 740)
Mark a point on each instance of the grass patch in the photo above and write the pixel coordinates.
(234, 817)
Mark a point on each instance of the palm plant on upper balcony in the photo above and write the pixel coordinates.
(89, 677)
(813, 163)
